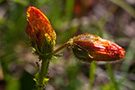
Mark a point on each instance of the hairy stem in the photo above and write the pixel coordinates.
(43, 73)
(44, 68)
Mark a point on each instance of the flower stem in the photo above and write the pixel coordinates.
(43, 73)
(42, 80)
(61, 47)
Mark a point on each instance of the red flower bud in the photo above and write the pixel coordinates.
(39, 27)
(89, 47)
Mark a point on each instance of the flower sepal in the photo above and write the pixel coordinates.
(81, 54)
(46, 49)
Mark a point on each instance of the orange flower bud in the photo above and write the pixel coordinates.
(39, 28)
(89, 47)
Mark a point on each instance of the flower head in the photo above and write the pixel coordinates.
(40, 30)
(89, 47)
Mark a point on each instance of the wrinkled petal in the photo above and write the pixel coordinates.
(30, 32)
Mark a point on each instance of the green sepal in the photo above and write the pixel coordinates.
(34, 46)
(81, 54)
(46, 50)
(47, 46)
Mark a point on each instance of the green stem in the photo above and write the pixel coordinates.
(43, 73)
(44, 68)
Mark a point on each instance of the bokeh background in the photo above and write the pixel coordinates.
(111, 19)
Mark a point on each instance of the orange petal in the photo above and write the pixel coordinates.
(39, 21)
(30, 32)
(38, 26)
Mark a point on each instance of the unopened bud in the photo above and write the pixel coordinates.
(40, 31)
(89, 47)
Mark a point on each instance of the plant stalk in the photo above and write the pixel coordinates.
(61, 47)
(44, 68)
(43, 73)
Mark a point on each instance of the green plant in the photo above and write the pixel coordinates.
(86, 47)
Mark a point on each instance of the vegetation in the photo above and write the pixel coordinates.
(109, 19)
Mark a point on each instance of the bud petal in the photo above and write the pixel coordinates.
(90, 47)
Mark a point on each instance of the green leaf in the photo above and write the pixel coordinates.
(112, 78)
(125, 6)
(69, 7)
(13, 84)
(22, 2)
(92, 70)
(129, 56)
(1, 1)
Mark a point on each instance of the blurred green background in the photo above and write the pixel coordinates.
(111, 19)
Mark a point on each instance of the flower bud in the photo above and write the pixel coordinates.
(39, 29)
(89, 47)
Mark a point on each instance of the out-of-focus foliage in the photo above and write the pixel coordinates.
(111, 19)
